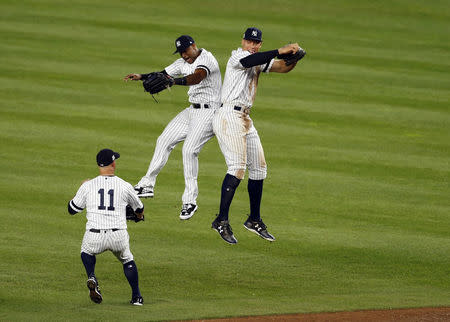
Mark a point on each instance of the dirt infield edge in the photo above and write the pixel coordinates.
(411, 314)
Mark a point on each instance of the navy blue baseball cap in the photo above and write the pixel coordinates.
(253, 34)
(182, 43)
(106, 156)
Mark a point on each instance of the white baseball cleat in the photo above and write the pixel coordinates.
(144, 192)
(187, 211)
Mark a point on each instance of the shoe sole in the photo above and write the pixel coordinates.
(189, 216)
(145, 195)
(137, 304)
(254, 231)
(231, 243)
(96, 297)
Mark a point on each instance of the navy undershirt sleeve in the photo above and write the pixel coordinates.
(258, 58)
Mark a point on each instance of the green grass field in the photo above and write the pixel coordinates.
(357, 140)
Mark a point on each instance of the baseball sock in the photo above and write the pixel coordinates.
(89, 263)
(131, 273)
(255, 189)
(229, 185)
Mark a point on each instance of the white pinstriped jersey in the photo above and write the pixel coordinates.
(240, 83)
(208, 90)
(238, 139)
(105, 199)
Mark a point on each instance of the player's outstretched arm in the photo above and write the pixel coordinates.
(266, 56)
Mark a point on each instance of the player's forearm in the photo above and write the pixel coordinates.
(258, 58)
(181, 81)
(192, 79)
(290, 67)
(279, 66)
(286, 69)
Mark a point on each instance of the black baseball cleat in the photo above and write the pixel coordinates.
(144, 192)
(224, 229)
(259, 228)
(137, 300)
(94, 290)
(187, 211)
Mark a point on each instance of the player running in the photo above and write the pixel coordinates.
(105, 199)
(238, 138)
(198, 69)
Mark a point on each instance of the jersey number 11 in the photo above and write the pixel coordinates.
(102, 199)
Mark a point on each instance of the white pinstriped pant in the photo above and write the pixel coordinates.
(240, 143)
(118, 242)
(194, 127)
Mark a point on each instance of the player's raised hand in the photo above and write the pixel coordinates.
(132, 77)
(289, 49)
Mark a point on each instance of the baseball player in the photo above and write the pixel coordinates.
(198, 69)
(105, 199)
(237, 137)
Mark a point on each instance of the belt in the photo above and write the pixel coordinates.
(237, 108)
(92, 230)
(200, 105)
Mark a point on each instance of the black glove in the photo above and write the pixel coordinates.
(156, 82)
(290, 59)
(131, 215)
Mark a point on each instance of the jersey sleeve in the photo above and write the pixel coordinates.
(78, 203)
(174, 69)
(205, 62)
(132, 198)
(265, 68)
(236, 57)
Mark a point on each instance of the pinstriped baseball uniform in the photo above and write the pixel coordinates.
(237, 137)
(192, 125)
(208, 90)
(105, 199)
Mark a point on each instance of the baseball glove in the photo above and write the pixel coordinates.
(290, 59)
(157, 82)
(131, 215)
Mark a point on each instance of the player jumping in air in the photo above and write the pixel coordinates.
(198, 69)
(238, 138)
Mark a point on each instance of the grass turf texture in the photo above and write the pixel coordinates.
(356, 139)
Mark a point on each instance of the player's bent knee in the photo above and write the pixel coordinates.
(161, 139)
(164, 143)
(238, 173)
(188, 153)
(257, 174)
(124, 257)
